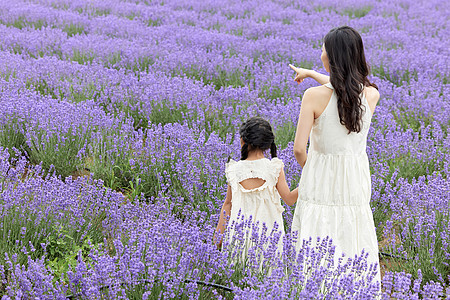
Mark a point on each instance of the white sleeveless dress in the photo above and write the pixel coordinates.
(262, 204)
(335, 186)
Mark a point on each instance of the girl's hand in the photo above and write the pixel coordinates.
(301, 73)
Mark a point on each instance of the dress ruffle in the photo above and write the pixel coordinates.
(338, 207)
(268, 170)
(229, 174)
(350, 227)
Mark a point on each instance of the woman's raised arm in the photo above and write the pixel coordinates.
(305, 73)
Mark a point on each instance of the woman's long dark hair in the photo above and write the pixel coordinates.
(257, 134)
(348, 74)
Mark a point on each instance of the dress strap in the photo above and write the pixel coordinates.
(328, 85)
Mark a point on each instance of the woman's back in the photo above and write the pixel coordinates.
(337, 160)
(329, 137)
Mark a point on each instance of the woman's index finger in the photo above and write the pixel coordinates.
(293, 68)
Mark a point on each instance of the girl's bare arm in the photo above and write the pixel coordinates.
(225, 213)
(289, 197)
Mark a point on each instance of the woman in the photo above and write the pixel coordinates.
(335, 187)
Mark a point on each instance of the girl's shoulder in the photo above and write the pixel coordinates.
(264, 161)
(230, 164)
(230, 173)
(277, 166)
(233, 163)
(276, 161)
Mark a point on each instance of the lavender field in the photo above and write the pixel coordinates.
(118, 116)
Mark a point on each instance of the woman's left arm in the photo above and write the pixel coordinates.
(304, 125)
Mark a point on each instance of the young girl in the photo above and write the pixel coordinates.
(255, 183)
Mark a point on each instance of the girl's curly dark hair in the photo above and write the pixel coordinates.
(257, 134)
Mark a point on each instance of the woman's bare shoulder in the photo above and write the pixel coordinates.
(319, 92)
(317, 99)
(372, 94)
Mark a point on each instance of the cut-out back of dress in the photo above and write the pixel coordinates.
(252, 183)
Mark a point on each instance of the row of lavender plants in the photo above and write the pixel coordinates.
(147, 97)
(77, 239)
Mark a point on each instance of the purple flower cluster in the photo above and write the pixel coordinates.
(146, 97)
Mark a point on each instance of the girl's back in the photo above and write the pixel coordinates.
(261, 202)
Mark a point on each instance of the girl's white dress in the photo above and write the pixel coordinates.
(262, 204)
(335, 186)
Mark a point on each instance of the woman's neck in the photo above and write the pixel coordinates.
(255, 154)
